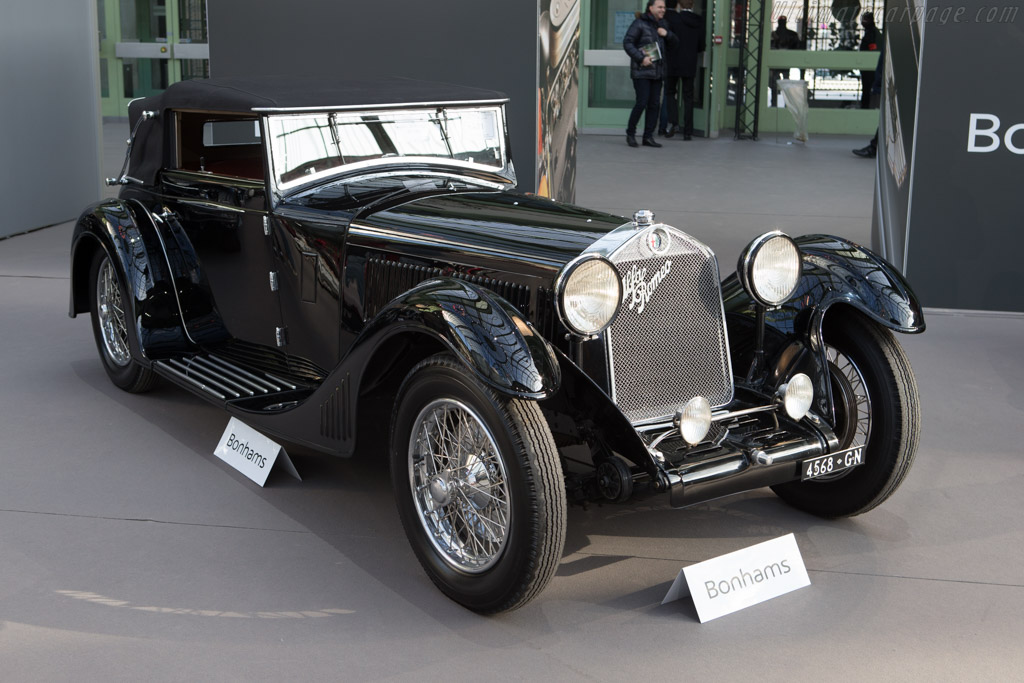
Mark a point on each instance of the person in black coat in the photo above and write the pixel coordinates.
(688, 28)
(645, 44)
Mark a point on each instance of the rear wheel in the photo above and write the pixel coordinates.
(478, 485)
(111, 325)
(876, 400)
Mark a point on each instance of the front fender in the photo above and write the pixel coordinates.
(479, 327)
(122, 229)
(836, 271)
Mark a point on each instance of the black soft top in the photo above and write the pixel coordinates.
(268, 94)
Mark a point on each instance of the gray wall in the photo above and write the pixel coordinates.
(465, 42)
(50, 118)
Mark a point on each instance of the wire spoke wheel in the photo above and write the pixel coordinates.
(478, 484)
(459, 485)
(877, 406)
(852, 403)
(110, 309)
(112, 319)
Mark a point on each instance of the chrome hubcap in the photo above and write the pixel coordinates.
(853, 405)
(459, 485)
(110, 312)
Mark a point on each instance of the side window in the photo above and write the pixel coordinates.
(220, 145)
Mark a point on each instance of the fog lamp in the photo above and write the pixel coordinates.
(694, 420)
(797, 395)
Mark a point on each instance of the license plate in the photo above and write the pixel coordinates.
(825, 465)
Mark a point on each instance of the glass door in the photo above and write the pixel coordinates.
(606, 89)
(145, 45)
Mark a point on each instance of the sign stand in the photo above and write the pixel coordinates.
(251, 453)
(729, 583)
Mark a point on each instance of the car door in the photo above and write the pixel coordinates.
(217, 197)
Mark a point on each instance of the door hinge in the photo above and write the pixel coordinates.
(266, 225)
(282, 335)
(273, 281)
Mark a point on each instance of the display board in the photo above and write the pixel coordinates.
(949, 169)
(529, 51)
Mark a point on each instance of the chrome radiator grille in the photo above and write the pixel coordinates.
(668, 343)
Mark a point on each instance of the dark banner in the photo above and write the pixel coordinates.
(558, 32)
(965, 235)
(902, 62)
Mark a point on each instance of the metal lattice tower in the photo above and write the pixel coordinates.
(748, 85)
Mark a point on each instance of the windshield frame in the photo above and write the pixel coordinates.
(504, 172)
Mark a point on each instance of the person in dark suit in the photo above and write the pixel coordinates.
(688, 28)
(871, 41)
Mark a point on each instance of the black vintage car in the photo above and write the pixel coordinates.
(346, 263)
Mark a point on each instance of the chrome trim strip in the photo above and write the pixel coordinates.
(193, 369)
(182, 370)
(368, 231)
(376, 107)
(167, 259)
(346, 169)
(278, 379)
(203, 204)
(167, 368)
(721, 417)
(226, 364)
(219, 374)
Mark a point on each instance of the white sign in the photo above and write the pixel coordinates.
(729, 583)
(251, 453)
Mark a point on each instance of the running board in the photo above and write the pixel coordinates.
(221, 379)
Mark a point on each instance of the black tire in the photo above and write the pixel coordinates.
(112, 327)
(505, 468)
(859, 347)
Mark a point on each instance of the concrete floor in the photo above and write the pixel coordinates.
(128, 551)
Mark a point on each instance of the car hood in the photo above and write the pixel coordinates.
(514, 226)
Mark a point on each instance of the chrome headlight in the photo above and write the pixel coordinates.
(588, 294)
(769, 268)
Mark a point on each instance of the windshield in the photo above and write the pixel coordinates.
(308, 146)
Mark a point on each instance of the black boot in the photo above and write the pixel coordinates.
(631, 140)
(868, 152)
(649, 142)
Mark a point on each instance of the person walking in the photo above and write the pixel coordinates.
(645, 44)
(688, 27)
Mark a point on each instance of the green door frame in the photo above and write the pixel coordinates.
(722, 116)
(112, 78)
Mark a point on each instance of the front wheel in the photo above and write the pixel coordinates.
(876, 401)
(478, 485)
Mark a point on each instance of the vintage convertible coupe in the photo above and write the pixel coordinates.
(345, 264)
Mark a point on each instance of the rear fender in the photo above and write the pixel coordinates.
(125, 232)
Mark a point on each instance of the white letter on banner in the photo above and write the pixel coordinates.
(1008, 138)
(973, 133)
